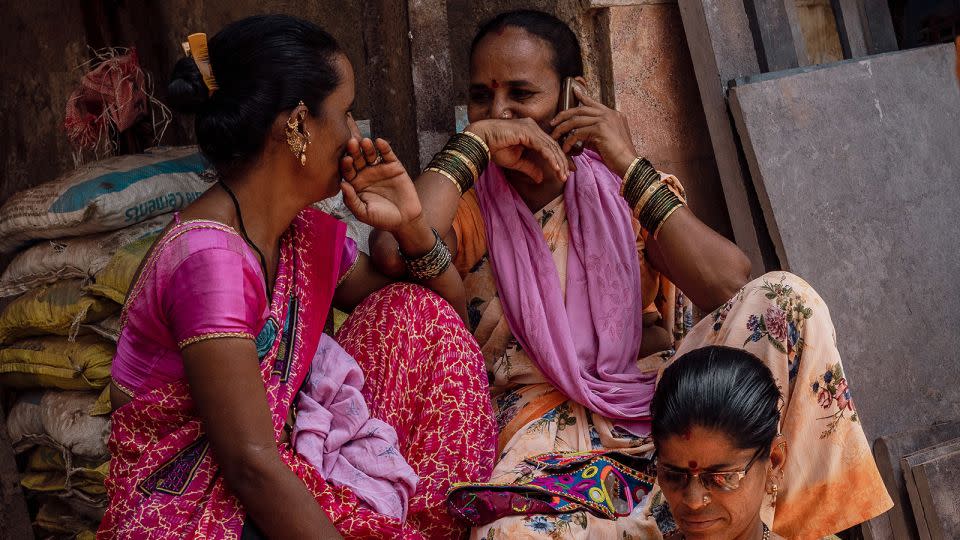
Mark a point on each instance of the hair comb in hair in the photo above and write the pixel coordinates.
(196, 47)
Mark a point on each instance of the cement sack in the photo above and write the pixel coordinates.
(108, 328)
(23, 419)
(78, 257)
(60, 518)
(104, 196)
(57, 309)
(65, 423)
(52, 471)
(57, 362)
(114, 281)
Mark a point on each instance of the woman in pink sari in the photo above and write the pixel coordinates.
(222, 340)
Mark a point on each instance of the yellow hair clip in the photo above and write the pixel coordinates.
(196, 47)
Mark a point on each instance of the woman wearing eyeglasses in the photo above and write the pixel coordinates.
(720, 456)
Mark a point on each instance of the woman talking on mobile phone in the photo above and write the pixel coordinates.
(569, 288)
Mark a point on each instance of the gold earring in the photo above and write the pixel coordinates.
(773, 491)
(297, 135)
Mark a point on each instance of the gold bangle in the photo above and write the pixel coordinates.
(467, 161)
(479, 140)
(665, 217)
(633, 165)
(640, 175)
(648, 194)
(449, 177)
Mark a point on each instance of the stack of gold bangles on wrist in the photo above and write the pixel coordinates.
(651, 200)
(431, 264)
(462, 160)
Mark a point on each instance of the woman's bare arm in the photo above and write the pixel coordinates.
(228, 392)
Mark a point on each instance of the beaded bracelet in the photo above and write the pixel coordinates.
(462, 160)
(431, 264)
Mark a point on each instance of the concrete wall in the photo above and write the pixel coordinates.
(635, 58)
(655, 86)
(39, 74)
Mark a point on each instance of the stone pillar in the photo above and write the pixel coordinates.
(432, 75)
(722, 48)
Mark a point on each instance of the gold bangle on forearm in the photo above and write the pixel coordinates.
(455, 168)
(449, 176)
(661, 205)
(640, 176)
(462, 160)
(483, 144)
(664, 219)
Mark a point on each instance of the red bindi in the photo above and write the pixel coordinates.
(692, 465)
(495, 84)
(685, 435)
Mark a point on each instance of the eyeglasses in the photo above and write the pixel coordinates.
(710, 480)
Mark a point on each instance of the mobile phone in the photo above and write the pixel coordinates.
(569, 100)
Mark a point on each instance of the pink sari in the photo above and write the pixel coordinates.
(165, 483)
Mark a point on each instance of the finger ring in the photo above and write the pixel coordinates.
(377, 161)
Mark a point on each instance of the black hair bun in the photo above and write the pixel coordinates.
(187, 92)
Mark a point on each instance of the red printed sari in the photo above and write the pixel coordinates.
(424, 376)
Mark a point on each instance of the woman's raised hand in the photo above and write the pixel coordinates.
(598, 127)
(376, 186)
(522, 146)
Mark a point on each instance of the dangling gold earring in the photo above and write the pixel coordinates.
(773, 491)
(297, 135)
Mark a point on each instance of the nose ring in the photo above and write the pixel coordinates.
(505, 114)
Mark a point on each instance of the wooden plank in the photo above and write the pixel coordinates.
(772, 34)
(940, 495)
(878, 27)
(621, 3)
(722, 49)
(865, 27)
(850, 27)
(907, 463)
(819, 28)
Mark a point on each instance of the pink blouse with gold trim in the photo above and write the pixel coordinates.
(201, 282)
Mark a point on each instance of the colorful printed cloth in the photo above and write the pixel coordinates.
(422, 371)
(606, 484)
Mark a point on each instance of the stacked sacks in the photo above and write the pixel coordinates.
(58, 330)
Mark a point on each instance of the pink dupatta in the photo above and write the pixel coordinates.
(586, 344)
